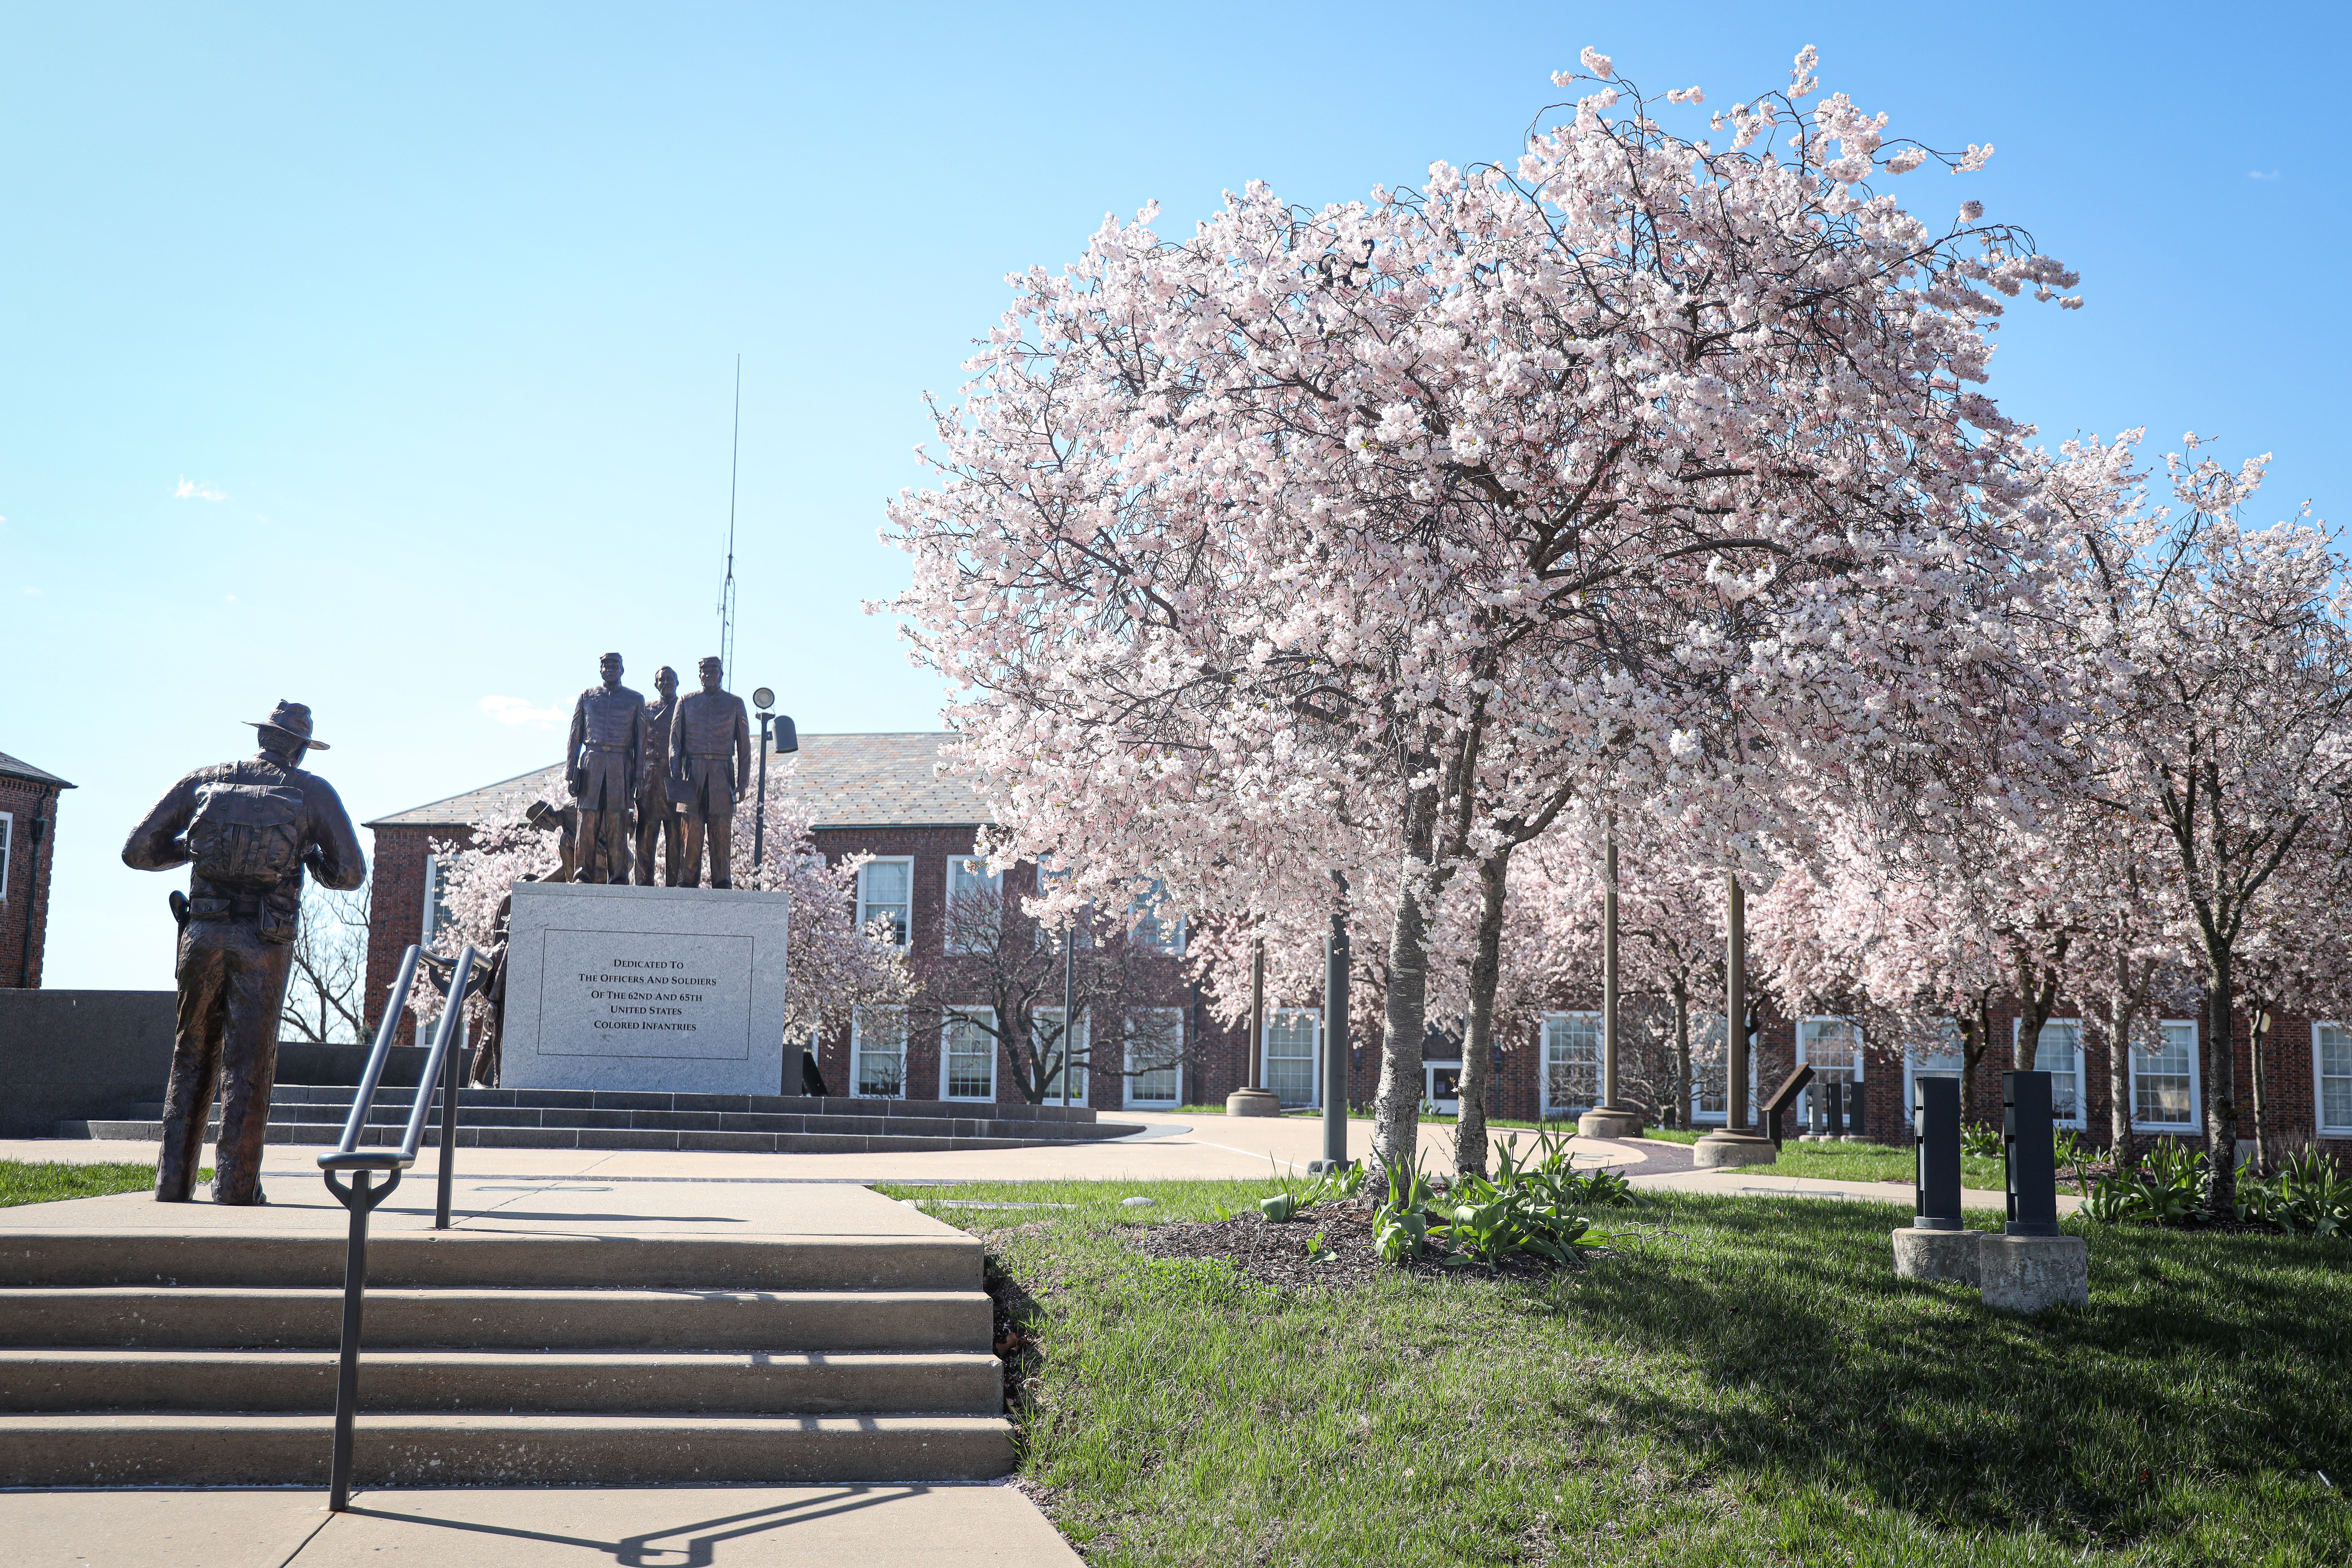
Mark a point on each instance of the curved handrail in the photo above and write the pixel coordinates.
(361, 1196)
(347, 1155)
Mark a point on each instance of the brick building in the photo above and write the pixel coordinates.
(28, 848)
(881, 796)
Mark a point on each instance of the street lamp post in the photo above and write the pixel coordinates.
(1733, 1144)
(1609, 1118)
(786, 741)
(1253, 1099)
(1336, 969)
(1069, 1001)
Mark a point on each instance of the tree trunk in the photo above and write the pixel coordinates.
(1396, 1108)
(2121, 1010)
(1976, 1039)
(1681, 993)
(2259, 1034)
(1486, 974)
(2221, 1092)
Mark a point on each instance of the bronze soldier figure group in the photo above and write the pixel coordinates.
(678, 766)
(248, 831)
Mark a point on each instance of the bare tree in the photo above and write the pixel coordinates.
(1009, 972)
(327, 991)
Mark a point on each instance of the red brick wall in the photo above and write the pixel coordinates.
(25, 912)
(396, 910)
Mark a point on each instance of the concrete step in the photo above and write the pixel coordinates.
(779, 1321)
(213, 1449)
(392, 1118)
(397, 1381)
(290, 1093)
(549, 1261)
(325, 1136)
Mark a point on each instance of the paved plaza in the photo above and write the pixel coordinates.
(1190, 1147)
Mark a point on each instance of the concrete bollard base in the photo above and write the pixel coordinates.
(2034, 1273)
(1722, 1149)
(1937, 1257)
(1252, 1103)
(1608, 1122)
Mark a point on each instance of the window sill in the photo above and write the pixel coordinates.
(2173, 1128)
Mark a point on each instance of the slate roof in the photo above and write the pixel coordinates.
(852, 781)
(10, 767)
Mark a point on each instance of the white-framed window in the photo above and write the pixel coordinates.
(2331, 1066)
(2058, 1051)
(877, 1053)
(2164, 1079)
(885, 891)
(1948, 1058)
(1152, 931)
(1044, 1026)
(1440, 1087)
(1571, 1063)
(1293, 1061)
(967, 1054)
(1155, 1056)
(437, 916)
(975, 894)
(1710, 1072)
(7, 848)
(1832, 1049)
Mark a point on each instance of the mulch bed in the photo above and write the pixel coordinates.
(1278, 1254)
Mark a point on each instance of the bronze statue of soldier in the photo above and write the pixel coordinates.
(709, 764)
(599, 763)
(248, 831)
(657, 818)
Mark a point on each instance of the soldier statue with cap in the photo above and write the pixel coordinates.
(709, 764)
(657, 823)
(608, 737)
(248, 831)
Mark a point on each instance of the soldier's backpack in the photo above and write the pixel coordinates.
(246, 833)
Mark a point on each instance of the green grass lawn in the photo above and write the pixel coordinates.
(21, 1182)
(1745, 1382)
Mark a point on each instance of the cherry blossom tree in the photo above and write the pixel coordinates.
(2221, 666)
(1363, 539)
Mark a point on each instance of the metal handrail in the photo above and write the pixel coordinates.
(361, 1196)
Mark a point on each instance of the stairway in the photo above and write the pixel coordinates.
(733, 1123)
(161, 1358)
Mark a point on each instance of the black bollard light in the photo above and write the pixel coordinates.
(2027, 1158)
(1936, 1174)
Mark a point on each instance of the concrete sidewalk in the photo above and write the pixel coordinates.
(844, 1526)
(1203, 1148)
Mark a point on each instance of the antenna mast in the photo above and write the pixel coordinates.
(726, 585)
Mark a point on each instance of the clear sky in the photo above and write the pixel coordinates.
(380, 358)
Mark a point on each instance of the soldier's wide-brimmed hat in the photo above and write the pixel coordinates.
(294, 718)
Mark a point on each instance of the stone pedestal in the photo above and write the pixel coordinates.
(2034, 1273)
(1253, 1102)
(679, 990)
(1609, 1121)
(1720, 1148)
(1937, 1257)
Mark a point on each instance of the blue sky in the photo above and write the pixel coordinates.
(381, 359)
